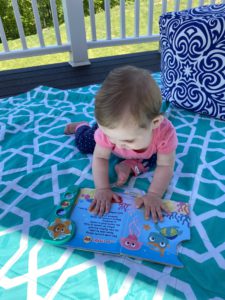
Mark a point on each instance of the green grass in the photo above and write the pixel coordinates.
(49, 36)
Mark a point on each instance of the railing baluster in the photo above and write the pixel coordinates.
(177, 5)
(189, 4)
(137, 17)
(107, 19)
(201, 2)
(19, 24)
(38, 22)
(150, 16)
(55, 22)
(164, 6)
(92, 19)
(122, 20)
(212, 2)
(3, 37)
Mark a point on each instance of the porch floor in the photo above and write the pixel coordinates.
(63, 76)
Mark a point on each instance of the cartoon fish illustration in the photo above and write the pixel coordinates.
(170, 232)
(158, 242)
(146, 227)
(59, 228)
(87, 239)
(131, 242)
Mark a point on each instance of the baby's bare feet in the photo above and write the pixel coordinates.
(71, 127)
(123, 172)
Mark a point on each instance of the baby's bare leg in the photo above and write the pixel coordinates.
(72, 127)
(128, 166)
(123, 172)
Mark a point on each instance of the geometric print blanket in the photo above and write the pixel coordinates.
(37, 164)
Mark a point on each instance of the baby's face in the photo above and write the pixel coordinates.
(129, 135)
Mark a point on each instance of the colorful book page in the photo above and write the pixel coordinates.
(124, 230)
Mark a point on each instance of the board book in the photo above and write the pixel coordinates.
(123, 231)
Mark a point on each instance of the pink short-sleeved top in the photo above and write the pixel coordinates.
(164, 141)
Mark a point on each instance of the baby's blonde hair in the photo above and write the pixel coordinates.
(128, 89)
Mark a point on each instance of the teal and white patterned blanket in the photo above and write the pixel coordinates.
(38, 162)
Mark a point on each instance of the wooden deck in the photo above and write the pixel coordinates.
(63, 76)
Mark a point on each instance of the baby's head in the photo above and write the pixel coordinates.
(127, 107)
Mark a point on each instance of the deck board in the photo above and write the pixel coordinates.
(63, 76)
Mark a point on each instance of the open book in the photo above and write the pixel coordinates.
(123, 231)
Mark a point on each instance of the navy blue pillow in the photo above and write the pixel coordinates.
(193, 59)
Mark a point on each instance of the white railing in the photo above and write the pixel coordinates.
(78, 43)
(41, 49)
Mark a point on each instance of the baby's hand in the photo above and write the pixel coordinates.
(153, 204)
(102, 201)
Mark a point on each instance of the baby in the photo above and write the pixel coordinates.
(130, 125)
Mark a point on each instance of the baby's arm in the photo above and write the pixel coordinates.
(100, 167)
(103, 194)
(163, 173)
(161, 179)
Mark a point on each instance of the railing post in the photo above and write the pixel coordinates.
(75, 27)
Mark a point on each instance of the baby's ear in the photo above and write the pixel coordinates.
(157, 121)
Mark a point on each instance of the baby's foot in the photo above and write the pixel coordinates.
(123, 172)
(71, 127)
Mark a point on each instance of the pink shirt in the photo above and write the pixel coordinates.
(164, 141)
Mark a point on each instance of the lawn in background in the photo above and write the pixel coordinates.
(49, 36)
